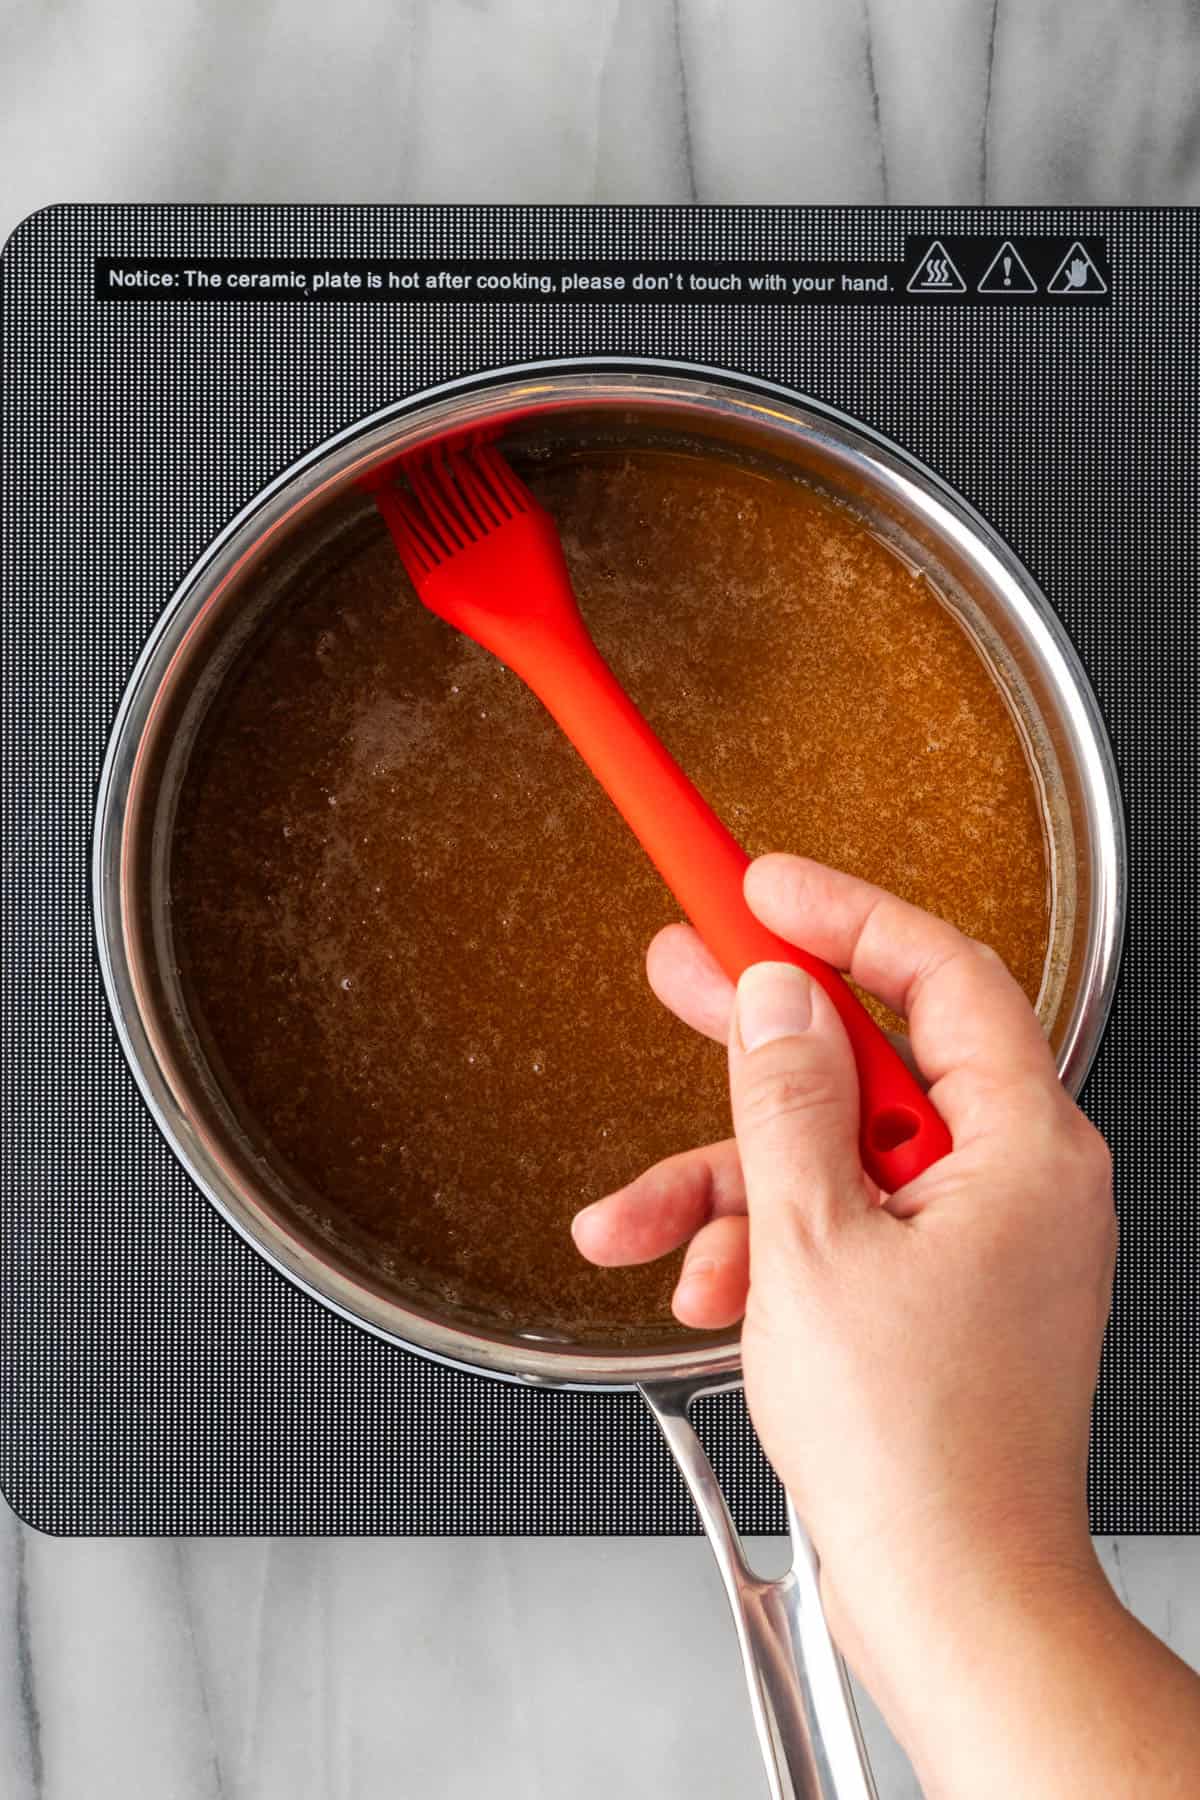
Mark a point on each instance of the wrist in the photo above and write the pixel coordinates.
(948, 1594)
(974, 1647)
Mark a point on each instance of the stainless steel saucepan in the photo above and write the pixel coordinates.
(799, 1692)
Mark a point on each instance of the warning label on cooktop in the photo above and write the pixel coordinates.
(984, 271)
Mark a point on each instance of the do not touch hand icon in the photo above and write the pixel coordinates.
(1077, 274)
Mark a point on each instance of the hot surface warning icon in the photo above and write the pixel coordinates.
(1077, 274)
(936, 273)
(1007, 273)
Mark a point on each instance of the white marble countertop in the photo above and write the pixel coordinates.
(414, 1670)
(375, 1669)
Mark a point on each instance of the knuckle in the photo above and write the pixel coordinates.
(1094, 1155)
(772, 1094)
(1081, 1174)
(1039, 1107)
(984, 952)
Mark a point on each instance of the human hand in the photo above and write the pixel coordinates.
(920, 1373)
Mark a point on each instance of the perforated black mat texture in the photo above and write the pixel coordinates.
(155, 1374)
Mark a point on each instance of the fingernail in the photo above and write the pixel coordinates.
(695, 1273)
(774, 1000)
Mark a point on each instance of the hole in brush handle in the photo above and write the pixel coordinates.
(894, 1126)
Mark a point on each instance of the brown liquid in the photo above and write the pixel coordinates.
(413, 927)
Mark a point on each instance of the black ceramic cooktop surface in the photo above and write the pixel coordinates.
(160, 366)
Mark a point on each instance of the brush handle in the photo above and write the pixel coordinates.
(901, 1132)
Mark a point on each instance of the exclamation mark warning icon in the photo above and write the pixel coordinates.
(1007, 273)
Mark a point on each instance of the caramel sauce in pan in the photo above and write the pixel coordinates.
(413, 927)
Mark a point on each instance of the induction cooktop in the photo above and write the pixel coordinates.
(161, 366)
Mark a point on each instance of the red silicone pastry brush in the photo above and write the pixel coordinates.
(486, 557)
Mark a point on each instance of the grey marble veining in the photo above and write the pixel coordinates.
(303, 1670)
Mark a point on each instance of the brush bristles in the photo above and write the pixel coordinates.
(458, 497)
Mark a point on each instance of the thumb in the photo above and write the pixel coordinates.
(794, 1090)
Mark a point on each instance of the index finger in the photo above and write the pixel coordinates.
(971, 1027)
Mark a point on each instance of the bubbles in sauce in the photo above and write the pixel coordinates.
(413, 928)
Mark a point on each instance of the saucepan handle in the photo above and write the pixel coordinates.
(800, 1695)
